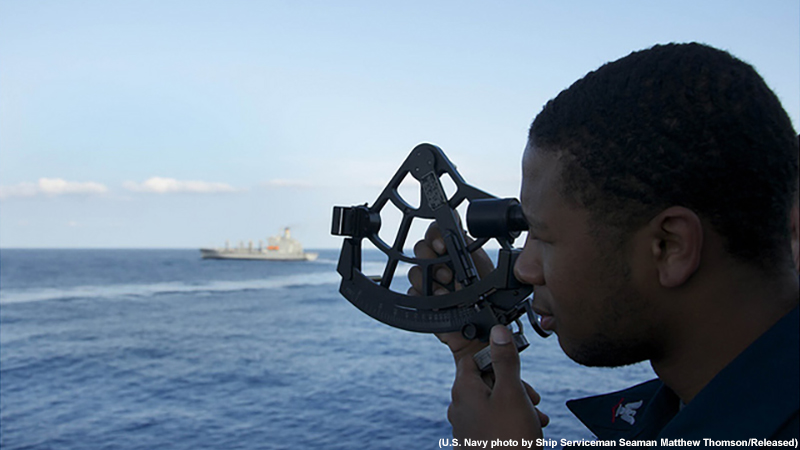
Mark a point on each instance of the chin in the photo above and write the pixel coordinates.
(604, 352)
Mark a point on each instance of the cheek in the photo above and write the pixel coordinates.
(563, 270)
(572, 285)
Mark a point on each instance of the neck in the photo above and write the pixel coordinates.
(721, 318)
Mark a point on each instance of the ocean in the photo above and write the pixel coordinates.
(159, 349)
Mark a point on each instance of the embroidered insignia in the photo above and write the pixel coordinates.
(626, 412)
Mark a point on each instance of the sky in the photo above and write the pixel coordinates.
(183, 124)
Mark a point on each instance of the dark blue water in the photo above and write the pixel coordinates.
(146, 349)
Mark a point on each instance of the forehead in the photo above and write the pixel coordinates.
(541, 171)
(540, 194)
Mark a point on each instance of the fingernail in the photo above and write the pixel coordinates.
(500, 335)
(438, 245)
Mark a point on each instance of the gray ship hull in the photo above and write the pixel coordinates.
(255, 255)
(279, 248)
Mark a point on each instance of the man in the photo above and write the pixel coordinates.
(662, 196)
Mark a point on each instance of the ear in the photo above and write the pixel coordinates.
(795, 224)
(677, 244)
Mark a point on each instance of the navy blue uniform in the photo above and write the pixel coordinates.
(755, 396)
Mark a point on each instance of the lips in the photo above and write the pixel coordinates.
(547, 322)
(546, 319)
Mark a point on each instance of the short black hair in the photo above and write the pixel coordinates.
(678, 124)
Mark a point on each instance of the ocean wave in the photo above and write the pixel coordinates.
(117, 291)
(324, 261)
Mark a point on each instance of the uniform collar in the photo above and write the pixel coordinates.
(629, 413)
(757, 392)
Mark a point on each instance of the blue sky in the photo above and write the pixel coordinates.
(186, 123)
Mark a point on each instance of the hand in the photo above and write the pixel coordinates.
(475, 405)
(432, 246)
(504, 411)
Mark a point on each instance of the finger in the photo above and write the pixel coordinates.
(415, 278)
(505, 360)
(544, 419)
(424, 250)
(434, 238)
(483, 263)
(532, 394)
(437, 290)
(455, 340)
(412, 292)
(469, 381)
(443, 274)
(460, 346)
(433, 242)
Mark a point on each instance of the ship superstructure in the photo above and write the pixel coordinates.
(278, 248)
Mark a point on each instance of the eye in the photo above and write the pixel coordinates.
(533, 237)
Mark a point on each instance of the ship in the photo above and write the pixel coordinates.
(278, 248)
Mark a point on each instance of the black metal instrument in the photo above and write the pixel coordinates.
(481, 302)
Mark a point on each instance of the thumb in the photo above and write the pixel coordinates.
(505, 359)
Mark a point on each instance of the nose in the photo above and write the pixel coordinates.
(528, 267)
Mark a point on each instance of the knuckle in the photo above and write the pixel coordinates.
(455, 396)
(508, 364)
(440, 291)
(443, 274)
(452, 413)
(414, 274)
(432, 232)
(422, 249)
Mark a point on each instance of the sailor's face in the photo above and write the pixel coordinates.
(581, 289)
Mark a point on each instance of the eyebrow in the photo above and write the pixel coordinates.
(533, 223)
(537, 224)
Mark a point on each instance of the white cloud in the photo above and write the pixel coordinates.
(52, 187)
(160, 185)
(57, 186)
(18, 190)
